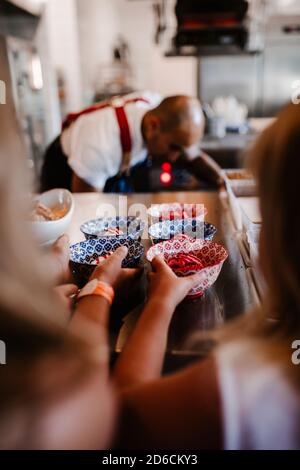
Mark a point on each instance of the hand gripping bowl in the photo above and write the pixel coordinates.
(129, 227)
(176, 210)
(210, 256)
(192, 228)
(84, 255)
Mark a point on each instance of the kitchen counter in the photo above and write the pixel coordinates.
(233, 141)
(229, 142)
(228, 151)
(231, 295)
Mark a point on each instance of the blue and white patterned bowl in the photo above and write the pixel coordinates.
(132, 228)
(192, 228)
(84, 254)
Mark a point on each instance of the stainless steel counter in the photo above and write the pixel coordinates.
(232, 294)
(229, 151)
(237, 142)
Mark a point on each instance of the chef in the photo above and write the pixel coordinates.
(99, 146)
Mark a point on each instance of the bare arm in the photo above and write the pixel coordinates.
(204, 167)
(143, 356)
(91, 314)
(80, 186)
(182, 411)
(83, 414)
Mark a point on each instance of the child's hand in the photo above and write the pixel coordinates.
(65, 293)
(165, 285)
(110, 270)
(59, 257)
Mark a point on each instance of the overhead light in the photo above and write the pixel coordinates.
(35, 72)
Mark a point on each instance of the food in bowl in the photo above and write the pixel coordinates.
(177, 210)
(111, 232)
(192, 228)
(118, 227)
(44, 213)
(239, 175)
(183, 260)
(54, 215)
(188, 256)
(84, 256)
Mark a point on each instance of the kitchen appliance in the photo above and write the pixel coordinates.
(19, 29)
(10, 134)
(27, 83)
(265, 81)
(211, 23)
(163, 176)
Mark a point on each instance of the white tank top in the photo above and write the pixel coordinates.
(261, 409)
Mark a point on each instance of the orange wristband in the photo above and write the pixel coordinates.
(100, 288)
(106, 291)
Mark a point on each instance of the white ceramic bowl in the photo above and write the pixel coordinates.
(46, 232)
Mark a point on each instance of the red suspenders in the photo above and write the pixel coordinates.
(119, 106)
(125, 137)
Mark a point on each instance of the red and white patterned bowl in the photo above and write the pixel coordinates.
(210, 254)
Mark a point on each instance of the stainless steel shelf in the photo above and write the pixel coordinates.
(193, 51)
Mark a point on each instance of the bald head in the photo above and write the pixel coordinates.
(176, 124)
(180, 113)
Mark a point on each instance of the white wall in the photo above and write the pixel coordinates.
(99, 23)
(50, 95)
(80, 36)
(283, 7)
(154, 70)
(62, 29)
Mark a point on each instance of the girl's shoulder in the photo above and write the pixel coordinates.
(261, 408)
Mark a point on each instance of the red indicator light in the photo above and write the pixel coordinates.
(166, 167)
(165, 178)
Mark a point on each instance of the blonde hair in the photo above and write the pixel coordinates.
(276, 324)
(32, 321)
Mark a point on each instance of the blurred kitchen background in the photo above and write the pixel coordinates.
(242, 59)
